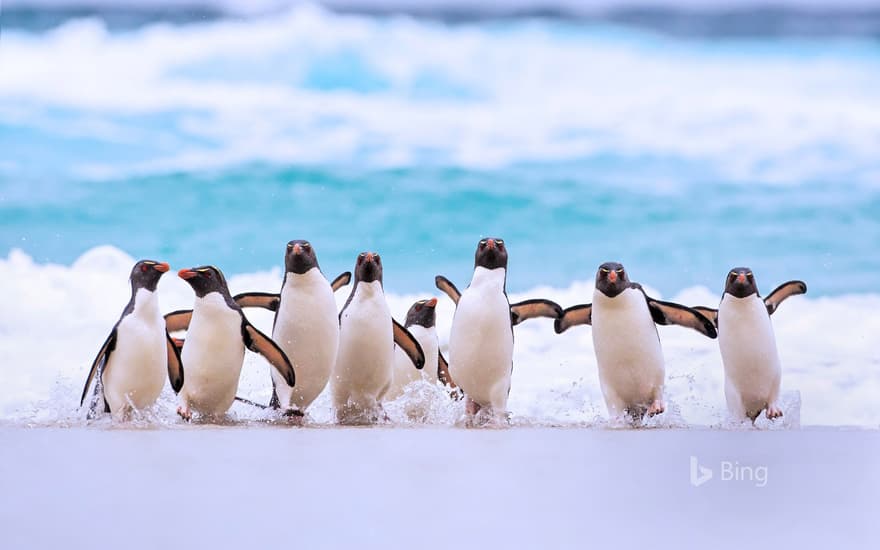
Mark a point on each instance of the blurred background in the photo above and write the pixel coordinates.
(681, 137)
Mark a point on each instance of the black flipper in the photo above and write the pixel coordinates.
(529, 309)
(783, 291)
(178, 320)
(175, 366)
(668, 313)
(446, 286)
(342, 280)
(265, 300)
(708, 313)
(98, 365)
(407, 342)
(446, 378)
(573, 316)
(256, 341)
(443, 371)
(251, 403)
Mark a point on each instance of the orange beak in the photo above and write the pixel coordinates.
(741, 278)
(297, 249)
(490, 243)
(186, 274)
(369, 257)
(612, 276)
(432, 302)
(162, 267)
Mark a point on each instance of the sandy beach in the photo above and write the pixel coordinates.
(200, 487)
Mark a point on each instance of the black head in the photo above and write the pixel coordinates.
(422, 313)
(740, 282)
(491, 254)
(611, 279)
(368, 268)
(146, 274)
(205, 280)
(300, 257)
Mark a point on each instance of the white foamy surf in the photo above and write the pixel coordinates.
(55, 318)
(312, 86)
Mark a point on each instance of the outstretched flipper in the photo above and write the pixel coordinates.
(265, 300)
(446, 286)
(783, 291)
(708, 313)
(256, 341)
(529, 309)
(342, 280)
(407, 342)
(175, 366)
(99, 362)
(668, 313)
(178, 320)
(573, 316)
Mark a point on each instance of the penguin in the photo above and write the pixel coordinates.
(481, 338)
(364, 366)
(752, 370)
(131, 365)
(626, 341)
(214, 349)
(420, 323)
(306, 326)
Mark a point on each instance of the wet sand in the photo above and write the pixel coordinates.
(275, 487)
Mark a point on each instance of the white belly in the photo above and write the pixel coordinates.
(628, 352)
(405, 372)
(363, 369)
(135, 374)
(212, 356)
(748, 350)
(481, 341)
(307, 329)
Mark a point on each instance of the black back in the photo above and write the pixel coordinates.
(422, 313)
(367, 268)
(145, 274)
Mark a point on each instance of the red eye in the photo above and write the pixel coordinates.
(207, 274)
(144, 268)
(418, 308)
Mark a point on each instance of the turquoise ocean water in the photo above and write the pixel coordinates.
(578, 142)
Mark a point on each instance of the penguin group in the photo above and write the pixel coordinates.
(367, 358)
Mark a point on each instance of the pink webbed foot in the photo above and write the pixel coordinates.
(184, 413)
(657, 407)
(472, 407)
(773, 411)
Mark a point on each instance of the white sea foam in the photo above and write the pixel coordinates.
(55, 318)
(312, 86)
